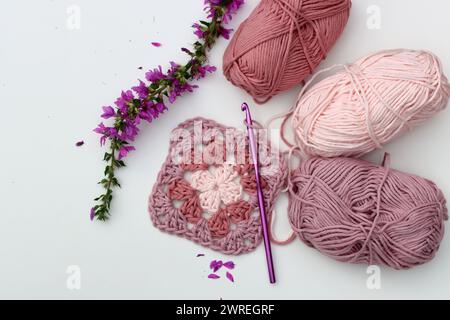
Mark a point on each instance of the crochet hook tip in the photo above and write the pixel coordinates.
(244, 106)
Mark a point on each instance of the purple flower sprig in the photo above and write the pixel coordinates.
(149, 99)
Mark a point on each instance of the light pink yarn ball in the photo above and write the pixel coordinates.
(369, 103)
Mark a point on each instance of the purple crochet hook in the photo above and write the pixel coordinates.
(262, 210)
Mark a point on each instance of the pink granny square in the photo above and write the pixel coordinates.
(206, 189)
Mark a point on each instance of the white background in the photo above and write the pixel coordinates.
(53, 82)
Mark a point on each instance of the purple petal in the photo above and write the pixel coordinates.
(230, 277)
(108, 112)
(200, 255)
(124, 151)
(103, 140)
(92, 214)
(79, 143)
(213, 276)
(100, 129)
(156, 44)
(229, 265)
(215, 265)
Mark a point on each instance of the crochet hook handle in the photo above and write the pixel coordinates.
(262, 210)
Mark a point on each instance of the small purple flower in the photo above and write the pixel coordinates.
(202, 70)
(173, 69)
(161, 107)
(106, 132)
(130, 131)
(156, 44)
(141, 90)
(101, 129)
(92, 214)
(231, 9)
(79, 143)
(210, 7)
(213, 276)
(108, 112)
(145, 113)
(123, 100)
(172, 96)
(224, 32)
(123, 152)
(198, 31)
(155, 75)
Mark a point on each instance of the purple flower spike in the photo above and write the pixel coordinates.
(149, 98)
(230, 277)
(213, 276)
(229, 265)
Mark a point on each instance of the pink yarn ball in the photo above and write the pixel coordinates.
(281, 43)
(369, 103)
(355, 211)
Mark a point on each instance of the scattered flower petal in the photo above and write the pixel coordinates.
(200, 255)
(213, 276)
(230, 276)
(229, 265)
(212, 264)
(215, 265)
(92, 214)
(156, 44)
(79, 143)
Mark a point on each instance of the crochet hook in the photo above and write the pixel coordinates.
(262, 211)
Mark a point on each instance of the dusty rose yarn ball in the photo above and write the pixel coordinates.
(281, 43)
(355, 211)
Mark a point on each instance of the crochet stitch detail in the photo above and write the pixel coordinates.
(219, 186)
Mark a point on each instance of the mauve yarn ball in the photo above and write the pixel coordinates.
(358, 212)
(281, 43)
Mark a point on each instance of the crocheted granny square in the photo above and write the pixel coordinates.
(206, 189)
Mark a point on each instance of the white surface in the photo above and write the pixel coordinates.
(53, 82)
